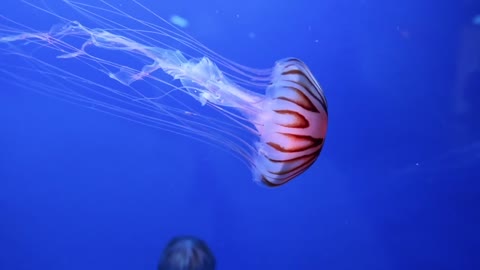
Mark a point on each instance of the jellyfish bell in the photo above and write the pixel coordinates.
(187, 252)
(294, 124)
(288, 123)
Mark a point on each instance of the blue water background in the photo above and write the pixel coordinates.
(396, 186)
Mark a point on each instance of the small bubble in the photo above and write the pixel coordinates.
(179, 21)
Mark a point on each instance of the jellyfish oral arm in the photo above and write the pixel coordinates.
(200, 78)
(212, 85)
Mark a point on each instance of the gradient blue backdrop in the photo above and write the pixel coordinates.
(396, 186)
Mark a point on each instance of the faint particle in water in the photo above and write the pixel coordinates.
(179, 21)
(465, 157)
(237, 16)
(316, 40)
(251, 35)
(404, 33)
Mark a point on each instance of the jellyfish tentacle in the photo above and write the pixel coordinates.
(202, 79)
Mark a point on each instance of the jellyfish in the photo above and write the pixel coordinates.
(187, 252)
(282, 110)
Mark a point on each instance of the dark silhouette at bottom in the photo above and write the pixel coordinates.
(187, 253)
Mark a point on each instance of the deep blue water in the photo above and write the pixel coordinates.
(396, 185)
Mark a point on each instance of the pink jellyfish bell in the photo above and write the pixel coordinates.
(294, 124)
